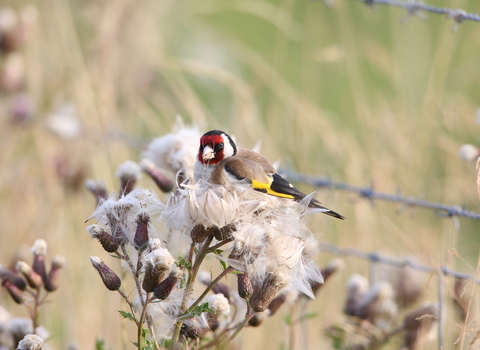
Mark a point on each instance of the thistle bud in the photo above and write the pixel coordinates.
(97, 188)
(160, 179)
(419, 324)
(34, 279)
(193, 328)
(54, 275)
(245, 288)
(6, 274)
(141, 234)
(258, 318)
(356, 286)
(108, 242)
(128, 174)
(157, 265)
(16, 293)
(164, 288)
(332, 267)
(39, 250)
(199, 233)
(31, 342)
(220, 305)
(225, 232)
(272, 284)
(109, 278)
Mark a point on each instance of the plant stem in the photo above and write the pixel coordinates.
(129, 303)
(192, 275)
(140, 322)
(248, 316)
(209, 288)
(222, 243)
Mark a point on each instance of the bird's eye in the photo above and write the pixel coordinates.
(220, 146)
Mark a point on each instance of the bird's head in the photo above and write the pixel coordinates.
(215, 146)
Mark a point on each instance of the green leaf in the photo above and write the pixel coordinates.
(184, 263)
(127, 315)
(223, 263)
(217, 251)
(100, 344)
(198, 310)
(309, 315)
(288, 319)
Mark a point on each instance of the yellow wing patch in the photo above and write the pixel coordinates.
(265, 187)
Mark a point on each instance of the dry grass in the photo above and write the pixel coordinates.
(342, 91)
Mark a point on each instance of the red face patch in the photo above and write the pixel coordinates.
(213, 141)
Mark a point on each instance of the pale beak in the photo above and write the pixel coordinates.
(208, 153)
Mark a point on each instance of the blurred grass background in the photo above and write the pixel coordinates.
(344, 91)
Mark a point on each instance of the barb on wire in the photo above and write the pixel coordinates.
(416, 7)
(440, 209)
(378, 258)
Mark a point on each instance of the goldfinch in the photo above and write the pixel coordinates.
(221, 162)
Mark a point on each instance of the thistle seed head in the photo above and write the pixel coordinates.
(34, 279)
(141, 234)
(109, 278)
(54, 275)
(108, 242)
(164, 288)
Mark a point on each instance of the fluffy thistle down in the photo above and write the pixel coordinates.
(31, 342)
(157, 265)
(268, 233)
(175, 152)
(119, 217)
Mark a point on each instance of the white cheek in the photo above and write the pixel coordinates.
(228, 150)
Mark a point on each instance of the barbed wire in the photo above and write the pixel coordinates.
(442, 210)
(417, 7)
(375, 257)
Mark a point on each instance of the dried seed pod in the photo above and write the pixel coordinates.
(225, 232)
(273, 283)
(194, 328)
(108, 242)
(34, 279)
(245, 288)
(128, 174)
(356, 286)
(39, 250)
(160, 179)
(97, 188)
(164, 288)
(109, 278)
(6, 274)
(54, 275)
(157, 264)
(199, 233)
(16, 293)
(141, 234)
